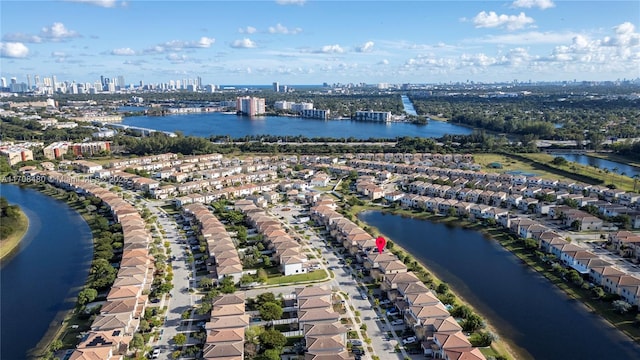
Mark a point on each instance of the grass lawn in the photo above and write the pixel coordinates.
(511, 164)
(12, 241)
(169, 209)
(311, 276)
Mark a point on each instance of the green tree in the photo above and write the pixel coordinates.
(270, 311)
(227, 285)
(461, 311)
(137, 342)
(472, 323)
(86, 296)
(56, 345)
(271, 354)
(205, 283)
(102, 274)
(272, 339)
(263, 277)
(180, 339)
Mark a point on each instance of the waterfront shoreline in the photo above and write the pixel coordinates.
(503, 346)
(12, 243)
(561, 286)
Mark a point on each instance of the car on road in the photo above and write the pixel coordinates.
(397, 322)
(409, 340)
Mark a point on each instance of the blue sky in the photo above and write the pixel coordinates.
(311, 42)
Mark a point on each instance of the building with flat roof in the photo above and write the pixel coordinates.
(382, 116)
(249, 105)
(16, 153)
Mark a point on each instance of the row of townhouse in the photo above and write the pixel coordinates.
(626, 243)
(524, 199)
(599, 271)
(223, 260)
(120, 315)
(225, 193)
(568, 254)
(416, 157)
(226, 327)
(508, 183)
(324, 336)
(287, 252)
(439, 334)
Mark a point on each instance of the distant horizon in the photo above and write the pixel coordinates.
(312, 42)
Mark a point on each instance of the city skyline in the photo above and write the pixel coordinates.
(312, 42)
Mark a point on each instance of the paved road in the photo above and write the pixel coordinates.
(181, 299)
(345, 282)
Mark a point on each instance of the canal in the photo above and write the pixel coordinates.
(41, 280)
(522, 305)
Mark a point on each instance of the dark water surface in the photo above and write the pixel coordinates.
(43, 277)
(523, 306)
(208, 124)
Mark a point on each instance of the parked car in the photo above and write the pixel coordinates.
(356, 342)
(409, 340)
(392, 312)
(397, 322)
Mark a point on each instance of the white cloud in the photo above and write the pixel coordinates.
(280, 29)
(173, 45)
(58, 54)
(57, 32)
(527, 38)
(541, 4)
(176, 58)
(204, 42)
(331, 49)
(100, 3)
(123, 52)
(245, 43)
(492, 20)
(247, 30)
(618, 51)
(290, 2)
(366, 47)
(21, 37)
(384, 62)
(13, 50)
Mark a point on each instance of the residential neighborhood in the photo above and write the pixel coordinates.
(240, 225)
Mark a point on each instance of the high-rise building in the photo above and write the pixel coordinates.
(250, 106)
(276, 86)
(121, 83)
(3, 82)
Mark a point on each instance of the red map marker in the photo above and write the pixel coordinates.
(380, 243)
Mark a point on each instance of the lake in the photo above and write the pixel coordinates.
(583, 159)
(42, 279)
(208, 124)
(523, 306)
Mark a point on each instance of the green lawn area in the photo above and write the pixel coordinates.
(169, 209)
(312, 276)
(511, 164)
(621, 182)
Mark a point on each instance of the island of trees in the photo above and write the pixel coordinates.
(14, 225)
